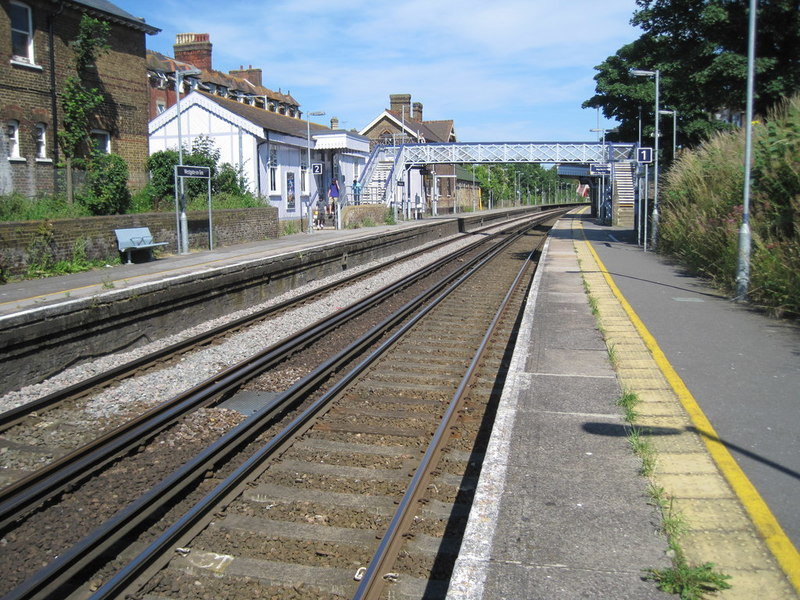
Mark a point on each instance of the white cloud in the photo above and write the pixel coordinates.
(489, 66)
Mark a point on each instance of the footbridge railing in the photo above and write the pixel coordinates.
(410, 155)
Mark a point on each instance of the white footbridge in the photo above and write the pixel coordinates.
(388, 166)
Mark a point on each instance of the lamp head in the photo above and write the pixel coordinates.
(642, 73)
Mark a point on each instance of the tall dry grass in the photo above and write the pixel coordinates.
(702, 209)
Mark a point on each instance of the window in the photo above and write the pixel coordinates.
(161, 106)
(303, 178)
(12, 138)
(40, 132)
(21, 32)
(101, 140)
(273, 169)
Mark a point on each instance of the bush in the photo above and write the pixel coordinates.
(161, 166)
(702, 209)
(106, 190)
(17, 207)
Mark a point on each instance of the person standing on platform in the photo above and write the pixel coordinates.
(321, 209)
(333, 195)
(356, 192)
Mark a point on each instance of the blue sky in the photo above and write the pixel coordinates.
(503, 70)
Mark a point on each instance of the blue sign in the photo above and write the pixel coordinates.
(316, 168)
(644, 155)
(598, 169)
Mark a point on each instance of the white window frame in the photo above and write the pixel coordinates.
(274, 179)
(40, 129)
(161, 106)
(12, 139)
(27, 59)
(103, 136)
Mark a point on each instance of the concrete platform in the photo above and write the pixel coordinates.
(562, 510)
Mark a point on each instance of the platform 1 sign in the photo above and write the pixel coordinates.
(644, 155)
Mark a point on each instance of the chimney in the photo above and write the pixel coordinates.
(193, 48)
(400, 103)
(334, 122)
(252, 75)
(417, 111)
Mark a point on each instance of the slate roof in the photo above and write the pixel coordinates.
(113, 13)
(267, 119)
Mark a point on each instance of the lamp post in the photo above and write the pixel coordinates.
(745, 241)
(318, 113)
(516, 188)
(674, 114)
(657, 75)
(183, 223)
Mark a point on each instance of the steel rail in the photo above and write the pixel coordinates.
(56, 575)
(13, 416)
(372, 582)
(130, 575)
(20, 497)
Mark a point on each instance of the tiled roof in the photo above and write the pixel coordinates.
(419, 127)
(159, 62)
(442, 129)
(112, 12)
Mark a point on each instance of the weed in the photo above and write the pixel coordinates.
(628, 402)
(691, 583)
(613, 357)
(289, 227)
(642, 448)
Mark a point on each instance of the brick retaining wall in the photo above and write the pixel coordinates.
(44, 242)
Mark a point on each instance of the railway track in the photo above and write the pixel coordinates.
(411, 414)
(51, 430)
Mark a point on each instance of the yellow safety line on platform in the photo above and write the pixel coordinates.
(768, 527)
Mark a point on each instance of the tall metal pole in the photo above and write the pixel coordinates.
(654, 229)
(183, 234)
(743, 267)
(309, 172)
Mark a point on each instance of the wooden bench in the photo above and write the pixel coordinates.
(136, 238)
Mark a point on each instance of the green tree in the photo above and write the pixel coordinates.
(700, 49)
(79, 100)
(225, 179)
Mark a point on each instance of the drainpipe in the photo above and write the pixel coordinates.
(53, 94)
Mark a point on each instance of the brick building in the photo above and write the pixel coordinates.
(194, 51)
(35, 61)
(403, 123)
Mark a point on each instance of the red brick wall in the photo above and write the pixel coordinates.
(26, 96)
(24, 242)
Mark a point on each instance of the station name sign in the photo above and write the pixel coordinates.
(599, 169)
(184, 171)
